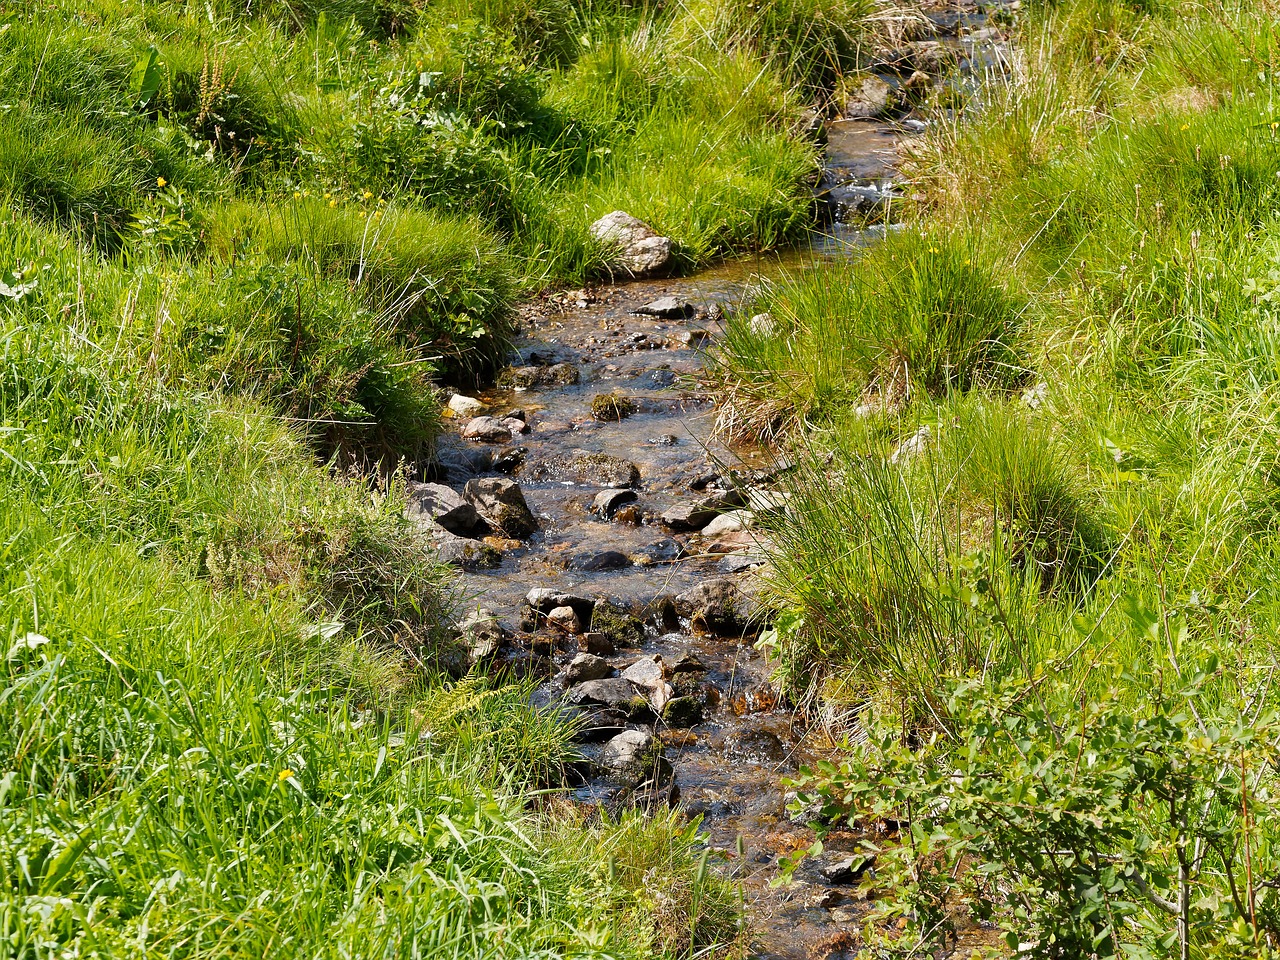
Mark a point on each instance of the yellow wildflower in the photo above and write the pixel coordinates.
(333, 203)
(161, 181)
(284, 775)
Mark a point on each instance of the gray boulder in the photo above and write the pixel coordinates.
(586, 468)
(586, 667)
(486, 430)
(633, 246)
(717, 606)
(635, 756)
(501, 503)
(447, 507)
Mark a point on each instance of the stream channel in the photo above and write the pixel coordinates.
(627, 604)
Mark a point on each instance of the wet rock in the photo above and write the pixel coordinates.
(716, 606)
(486, 430)
(635, 756)
(740, 563)
(847, 869)
(618, 626)
(873, 97)
(688, 517)
(682, 712)
(501, 503)
(660, 551)
(515, 425)
(467, 554)
(465, 406)
(598, 724)
(645, 672)
(509, 459)
(597, 643)
(611, 407)
(592, 562)
(587, 468)
(544, 599)
(633, 246)
(667, 308)
(540, 376)
(704, 480)
(615, 694)
(585, 667)
(648, 676)
(666, 440)
(688, 662)
(734, 521)
(564, 618)
(446, 507)
(607, 502)
(462, 460)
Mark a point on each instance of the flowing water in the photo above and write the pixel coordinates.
(729, 766)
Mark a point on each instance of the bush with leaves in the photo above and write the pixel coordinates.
(1085, 831)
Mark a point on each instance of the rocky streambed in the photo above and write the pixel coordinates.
(614, 550)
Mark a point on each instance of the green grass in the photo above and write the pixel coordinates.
(1082, 310)
(241, 249)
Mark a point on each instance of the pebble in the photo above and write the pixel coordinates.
(486, 430)
(565, 619)
(465, 406)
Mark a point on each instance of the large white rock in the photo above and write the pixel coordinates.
(635, 247)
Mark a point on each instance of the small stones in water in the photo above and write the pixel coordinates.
(611, 407)
(603, 560)
(586, 468)
(502, 504)
(596, 643)
(585, 667)
(486, 430)
(565, 619)
(667, 308)
(465, 406)
(545, 599)
(732, 522)
(666, 440)
(688, 662)
(755, 699)
(607, 502)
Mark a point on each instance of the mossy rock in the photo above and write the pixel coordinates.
(612, 407)
(618, 626)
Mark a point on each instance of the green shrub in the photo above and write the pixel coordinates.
(1097, 831)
